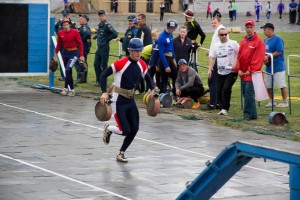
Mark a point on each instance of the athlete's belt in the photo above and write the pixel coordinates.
(123, 92)
(169, 54)
(71, 49)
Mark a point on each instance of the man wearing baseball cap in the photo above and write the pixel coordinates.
(189, 83)
(85, 34)
(275, 46)
(130, 33)
(250, 60)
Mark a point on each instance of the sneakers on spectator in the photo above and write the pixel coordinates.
(209, 107)
(121, 157)
(64, 92)
(97, 84)
(283, 104)
(196, 105)
(269, 105)
(223, 112)
(174, 102)
(71, 93)
(106, 134)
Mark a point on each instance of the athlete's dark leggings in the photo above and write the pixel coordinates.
(128, 119)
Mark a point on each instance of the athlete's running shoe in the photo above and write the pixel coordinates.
(121, 157)
(106, 134)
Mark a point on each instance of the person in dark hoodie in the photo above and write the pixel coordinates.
(182, 45)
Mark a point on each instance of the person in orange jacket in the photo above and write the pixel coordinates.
(250, 59)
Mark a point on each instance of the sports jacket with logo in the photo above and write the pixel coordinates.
(251, 55)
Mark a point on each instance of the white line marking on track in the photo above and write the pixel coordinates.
(150, 141)
(65, 177)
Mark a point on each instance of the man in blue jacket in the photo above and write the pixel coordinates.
(167, 63)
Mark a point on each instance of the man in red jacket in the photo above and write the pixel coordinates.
(250, 59)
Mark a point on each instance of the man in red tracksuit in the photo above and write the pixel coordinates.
(250, 59)
(71, 41)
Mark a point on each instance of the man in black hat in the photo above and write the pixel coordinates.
(85, 34)
(105, 33)
(275, 46)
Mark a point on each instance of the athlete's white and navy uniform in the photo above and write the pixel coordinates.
(127, 75)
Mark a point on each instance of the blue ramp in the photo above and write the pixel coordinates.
(230, 161)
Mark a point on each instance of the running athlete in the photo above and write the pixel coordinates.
(128, 73)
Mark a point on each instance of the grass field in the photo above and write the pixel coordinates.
(291, 130)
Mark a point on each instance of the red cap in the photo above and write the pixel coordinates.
(250, 22)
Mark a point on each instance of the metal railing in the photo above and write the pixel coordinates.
(289, 76)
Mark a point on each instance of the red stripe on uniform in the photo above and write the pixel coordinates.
(118, 122)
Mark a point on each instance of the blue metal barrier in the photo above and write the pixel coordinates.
(51, 74)
(230, 161)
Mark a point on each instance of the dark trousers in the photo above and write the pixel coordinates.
(152, 72)
(67, 58)
(213, 86)
(257, 12)
(298, 22)
(165, 76)
(293, 15)
(231, 15)
(185, 7)
(193, 58)
(128, 119)
(195, 92)
(225, 83)
(100, 61)
(80, 71)
(249, 109)
(234, 14)
(280, 14)
(161, 18)
(208, 14)
(268, 15)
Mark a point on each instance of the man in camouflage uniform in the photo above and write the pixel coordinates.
(105, 33)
